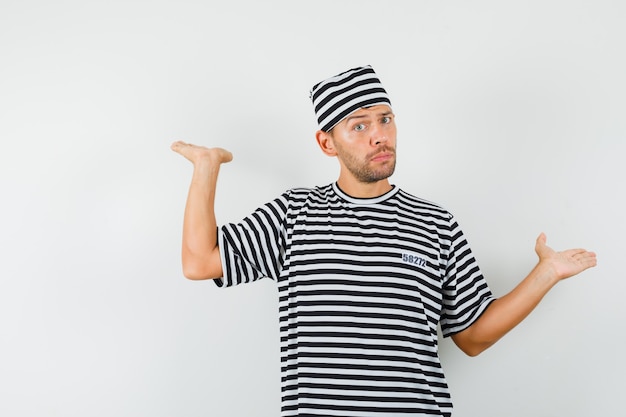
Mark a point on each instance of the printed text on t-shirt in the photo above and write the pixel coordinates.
(413, 259)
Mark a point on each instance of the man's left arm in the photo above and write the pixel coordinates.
(506, 312)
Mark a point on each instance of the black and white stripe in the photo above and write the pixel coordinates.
(363, 285)
(337, 97)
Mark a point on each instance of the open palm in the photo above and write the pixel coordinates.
(565, 263)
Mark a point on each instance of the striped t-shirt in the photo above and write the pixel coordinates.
(362, 285)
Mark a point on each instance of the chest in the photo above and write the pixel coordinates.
(366, 256)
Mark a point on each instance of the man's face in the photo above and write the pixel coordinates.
(365, 143)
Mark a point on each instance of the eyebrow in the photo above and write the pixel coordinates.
(356, 117)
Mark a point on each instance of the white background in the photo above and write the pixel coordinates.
(510, 114)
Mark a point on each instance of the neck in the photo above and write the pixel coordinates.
(364, 190)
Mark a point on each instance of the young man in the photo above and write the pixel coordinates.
(365, 271)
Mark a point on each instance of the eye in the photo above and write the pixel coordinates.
(386, 120)
(360, 127)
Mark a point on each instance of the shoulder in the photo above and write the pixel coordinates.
(421, 205)
(300, 195)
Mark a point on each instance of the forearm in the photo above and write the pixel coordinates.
(506, 312)
(201, 255)
(199, 226)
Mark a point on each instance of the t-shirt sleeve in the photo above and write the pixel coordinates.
(466, 294)
(254, 248)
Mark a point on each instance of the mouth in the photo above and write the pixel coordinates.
(382, 156)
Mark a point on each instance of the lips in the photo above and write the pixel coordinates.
(382, 156)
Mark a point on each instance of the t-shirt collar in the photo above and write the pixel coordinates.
(372, 200)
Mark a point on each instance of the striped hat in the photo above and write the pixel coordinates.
(337, 97)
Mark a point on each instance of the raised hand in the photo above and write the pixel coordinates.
(198, 154)
(200, 251)
(566, 263)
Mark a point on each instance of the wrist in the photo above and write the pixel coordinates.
(205, 168)
(545, 274)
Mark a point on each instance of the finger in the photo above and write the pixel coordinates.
(585, 259)
(177, 145)
(542, 237)
(540, 246)
(575, 252)
(588, 262)
(228, 156)
(586, 255)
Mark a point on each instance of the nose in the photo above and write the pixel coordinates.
(378, 135)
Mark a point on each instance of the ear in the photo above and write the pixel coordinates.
(325, 141)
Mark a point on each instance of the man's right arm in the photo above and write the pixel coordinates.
(200, 252)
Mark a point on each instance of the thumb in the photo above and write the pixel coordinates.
(540, 244)
(542, 239)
